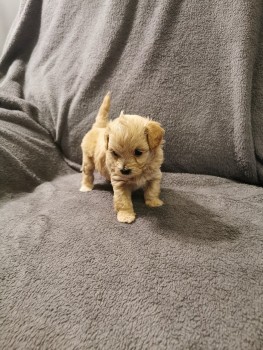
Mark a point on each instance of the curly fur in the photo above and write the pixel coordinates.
(111, 148)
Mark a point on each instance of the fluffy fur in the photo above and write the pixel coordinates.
(128, 152)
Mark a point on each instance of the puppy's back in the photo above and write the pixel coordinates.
(93, 140)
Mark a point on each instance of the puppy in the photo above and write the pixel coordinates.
(128, 152)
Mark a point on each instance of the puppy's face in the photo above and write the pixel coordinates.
(130, 142)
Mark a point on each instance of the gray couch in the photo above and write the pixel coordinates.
(188, 275)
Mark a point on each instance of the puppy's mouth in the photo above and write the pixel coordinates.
(125, 175)
(130, 173)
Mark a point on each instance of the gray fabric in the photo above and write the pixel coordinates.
(195, 66)
(28, 155)
(188, 275)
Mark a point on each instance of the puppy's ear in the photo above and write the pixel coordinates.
(154, 133)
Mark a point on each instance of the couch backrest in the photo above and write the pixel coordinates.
(187, 64)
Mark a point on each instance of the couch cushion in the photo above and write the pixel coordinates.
(186, 275)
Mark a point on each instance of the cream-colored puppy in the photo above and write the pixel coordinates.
(128, 152)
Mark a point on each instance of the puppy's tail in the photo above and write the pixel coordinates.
(102, 118)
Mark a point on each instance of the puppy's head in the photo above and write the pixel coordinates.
(132, 143)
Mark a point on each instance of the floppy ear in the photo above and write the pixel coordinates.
(154, 133)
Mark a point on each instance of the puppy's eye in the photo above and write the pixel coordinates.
(137, 153)
(114, 153)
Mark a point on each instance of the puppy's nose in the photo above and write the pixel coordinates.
(125, 171)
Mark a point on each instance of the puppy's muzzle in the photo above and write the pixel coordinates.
(125, 171)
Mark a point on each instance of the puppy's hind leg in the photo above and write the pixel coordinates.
(87, 173)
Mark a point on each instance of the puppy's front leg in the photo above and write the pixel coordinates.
(152, 192)
(123, 203)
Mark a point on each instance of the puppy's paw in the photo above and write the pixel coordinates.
(125, 216)
(86, 188)
(154, 202)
